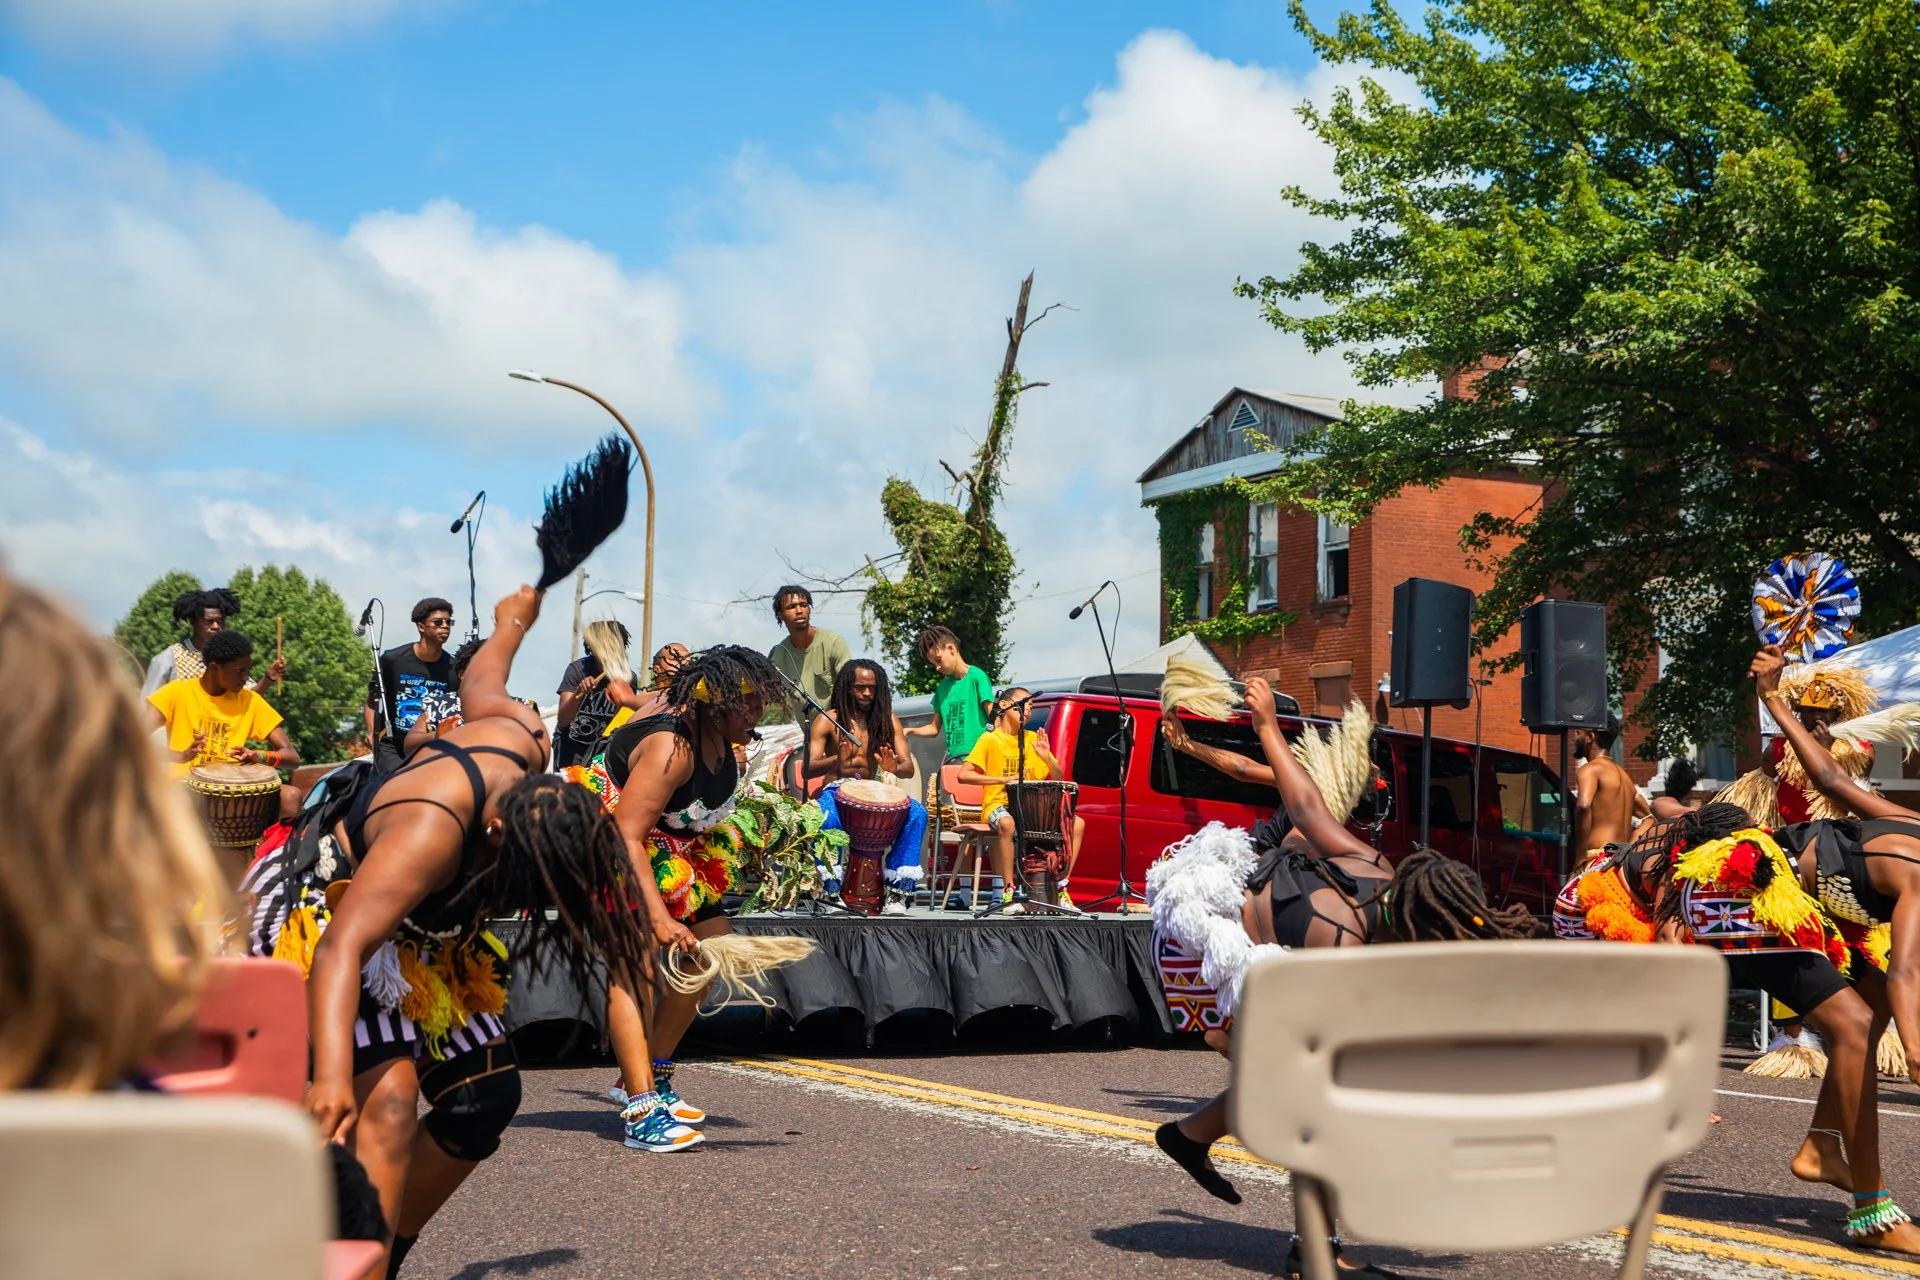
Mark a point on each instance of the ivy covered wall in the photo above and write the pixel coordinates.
(1181, 518)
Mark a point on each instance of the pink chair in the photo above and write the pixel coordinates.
(250, 1034)
(953, 846)
(250, 1039)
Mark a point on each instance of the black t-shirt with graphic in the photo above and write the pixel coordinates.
(414, 689)
(575, 743)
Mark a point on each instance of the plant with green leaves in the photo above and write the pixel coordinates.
(1678, 245)
(784, 840)
(1181, 519)
(327, 665)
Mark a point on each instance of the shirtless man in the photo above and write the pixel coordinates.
(862, 702)
(1604, 793)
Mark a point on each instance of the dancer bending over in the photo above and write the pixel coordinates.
(383, 891)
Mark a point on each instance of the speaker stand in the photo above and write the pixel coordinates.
(1426, 770)
(1566, 805)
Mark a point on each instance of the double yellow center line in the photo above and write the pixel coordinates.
(1757, 1249)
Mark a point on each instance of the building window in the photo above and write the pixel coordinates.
(1263, 556)
(1333, 558)
(1203, 578)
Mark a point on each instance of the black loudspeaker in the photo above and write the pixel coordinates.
(1564, 682)
(1431, 621)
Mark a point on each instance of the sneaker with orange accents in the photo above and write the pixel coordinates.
(655, 1129)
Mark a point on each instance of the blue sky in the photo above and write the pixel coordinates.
(271, 258)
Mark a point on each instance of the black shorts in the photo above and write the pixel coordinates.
(1800, 980)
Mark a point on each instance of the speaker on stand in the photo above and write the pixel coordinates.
(1432, 622)
(1563, 684)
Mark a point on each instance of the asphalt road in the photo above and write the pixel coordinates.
(1038, 1164)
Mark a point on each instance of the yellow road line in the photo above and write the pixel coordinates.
(1010, 1109)
(1789, 1253)
(1025, 1104)
(1813, 1248)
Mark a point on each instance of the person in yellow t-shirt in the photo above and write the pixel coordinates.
(212, 717)
(992, 764)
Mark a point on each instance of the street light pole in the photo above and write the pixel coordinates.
(646, 467)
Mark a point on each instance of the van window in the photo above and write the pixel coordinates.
(1451, 787)
(1529, 797)
(1099, 758)
(1175, 774)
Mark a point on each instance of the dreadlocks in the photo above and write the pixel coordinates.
(1434, 898)
(1650, 858)
(726, 679)
(560, 852)
(189, 605)
(876, 722)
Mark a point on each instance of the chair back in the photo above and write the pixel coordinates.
(250, 1034)
(146, 1185)
(962, 795)
(1479, 1095)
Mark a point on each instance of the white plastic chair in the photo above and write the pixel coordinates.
(149, 1186)
(1478, 1095)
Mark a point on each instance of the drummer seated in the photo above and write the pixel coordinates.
(212, 717)
(995, 761)
(874, 749)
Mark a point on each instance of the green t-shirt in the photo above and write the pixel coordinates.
(960, 704)
(814, 667)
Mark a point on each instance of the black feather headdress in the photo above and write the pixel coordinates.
(584, 509)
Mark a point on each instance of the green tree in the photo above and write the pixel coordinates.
(150, 625)
(1681, 239)
(958, 570)
(327, 666)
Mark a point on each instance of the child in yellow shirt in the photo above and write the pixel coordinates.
(991, 765)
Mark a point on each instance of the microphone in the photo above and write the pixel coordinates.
(477, 498)
(1082, 606)
(366, 619)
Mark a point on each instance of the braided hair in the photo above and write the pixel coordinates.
(876, 722)
(561, 852)
(724, 680)
(1434, 898)
(189, 605)
(1648, 861)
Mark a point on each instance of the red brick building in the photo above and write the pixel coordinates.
(1220, 553)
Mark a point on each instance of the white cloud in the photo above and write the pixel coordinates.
(856, 322)
(144, 293)
(194, 28)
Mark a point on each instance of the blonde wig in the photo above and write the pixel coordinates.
(607, 644)
(111, 901)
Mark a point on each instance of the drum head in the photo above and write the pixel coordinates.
(222, 777)
(867, 791)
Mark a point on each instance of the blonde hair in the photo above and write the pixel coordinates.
(111, 901)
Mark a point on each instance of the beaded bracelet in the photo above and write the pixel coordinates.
(1870, 1219)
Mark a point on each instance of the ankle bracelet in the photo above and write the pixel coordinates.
(1878, 1214)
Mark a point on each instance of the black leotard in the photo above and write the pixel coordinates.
(710, 787)
(434, 911)
(1842, 881)
(1291, 878)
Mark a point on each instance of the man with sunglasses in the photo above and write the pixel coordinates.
(413, 678)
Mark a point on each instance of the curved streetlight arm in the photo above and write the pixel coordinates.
(646, 467)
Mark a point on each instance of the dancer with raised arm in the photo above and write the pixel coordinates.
(382, 894)
(1301, 879)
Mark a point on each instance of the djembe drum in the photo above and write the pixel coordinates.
(873, 814)
(1045, 809)
(238, 802)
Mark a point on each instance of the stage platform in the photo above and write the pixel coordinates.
(1077, 971)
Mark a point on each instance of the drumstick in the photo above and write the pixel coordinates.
(279, 653)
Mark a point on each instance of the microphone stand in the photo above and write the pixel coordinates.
(1124, 894)
(473, 591)
(379, 676)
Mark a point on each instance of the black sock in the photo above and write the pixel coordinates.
(1192, 1156)
(398, 1254)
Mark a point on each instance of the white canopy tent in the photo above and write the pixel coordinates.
(1187, 646)
(1891, 664)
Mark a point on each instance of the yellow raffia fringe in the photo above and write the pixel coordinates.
(1790, 1061)
(1756, 793)
(479, 989)
(1848, 754)
(1834, 685)
(298, 937)
(1782, 906)
(1878, 946)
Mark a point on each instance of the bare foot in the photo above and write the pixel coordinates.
(1821, 1160)
(1902, 1237)
(1714, 1117)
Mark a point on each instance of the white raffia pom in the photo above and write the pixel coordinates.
(383, 979)
(1196, 892)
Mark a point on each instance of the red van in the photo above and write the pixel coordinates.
(1496, 810)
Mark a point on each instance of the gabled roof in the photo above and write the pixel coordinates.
(1327, 407)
